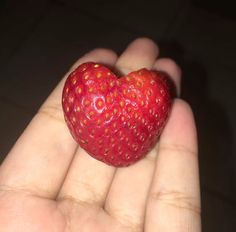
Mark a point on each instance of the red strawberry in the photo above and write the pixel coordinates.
(115, 120)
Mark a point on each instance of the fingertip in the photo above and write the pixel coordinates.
(99, 55)
(170, 67)
(181, 128)
(108, 54)
(183, 108)
(141, 53)
(146, 42)
(184, 105)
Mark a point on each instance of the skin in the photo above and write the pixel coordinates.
(48, 183)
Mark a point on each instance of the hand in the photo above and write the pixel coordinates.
(49, 184)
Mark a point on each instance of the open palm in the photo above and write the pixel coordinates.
(48, 183)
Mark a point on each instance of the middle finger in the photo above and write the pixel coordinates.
(127, 196)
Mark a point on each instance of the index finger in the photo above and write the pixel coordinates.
(39, 160)
(174, 199)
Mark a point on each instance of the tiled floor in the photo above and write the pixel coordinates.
(41, 39)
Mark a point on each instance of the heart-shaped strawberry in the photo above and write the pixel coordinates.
(116, 120)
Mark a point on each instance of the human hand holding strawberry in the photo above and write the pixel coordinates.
(47, 183)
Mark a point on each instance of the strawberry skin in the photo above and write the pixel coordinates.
(116, 120)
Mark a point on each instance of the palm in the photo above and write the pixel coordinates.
(47, 215)
(29, 213)
(32, 213)
(49, 184)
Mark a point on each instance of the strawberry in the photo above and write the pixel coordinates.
(116, 120)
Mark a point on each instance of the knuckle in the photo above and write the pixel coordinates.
(177, 199)
(130, 221)
(52, 111)
(171, 65)
(86, 196)
(177, 148)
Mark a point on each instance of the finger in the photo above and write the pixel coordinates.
(89, 180)
(172, 69)
(139, 54)
(40, 158)
(174, 200)
(127, 196)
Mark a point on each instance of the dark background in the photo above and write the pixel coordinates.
(39, 40)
